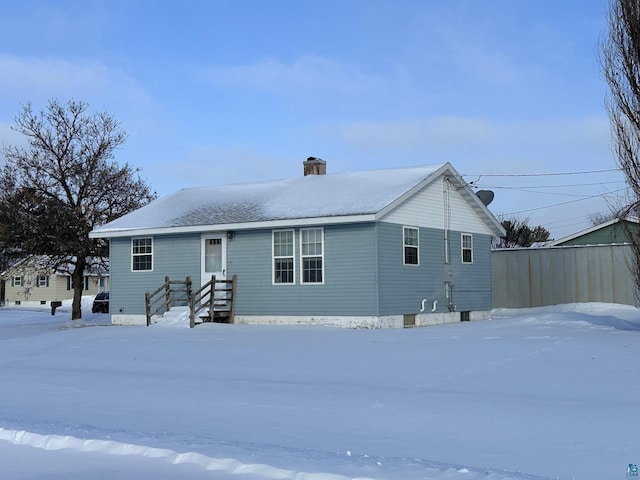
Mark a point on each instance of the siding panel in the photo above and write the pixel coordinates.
(356, 281)
(177, 256)
(427, 209)
(471, 283)
(424, 209)
(349, 275)
(403, 287)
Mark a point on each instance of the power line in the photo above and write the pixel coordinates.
(562, 203)
(531, 189)
(558, 186)
(575, 220)
(546, 193)
(540, 174)
(554, 186)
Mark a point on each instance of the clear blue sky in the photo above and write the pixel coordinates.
(229, 91)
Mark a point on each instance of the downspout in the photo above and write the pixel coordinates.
(376, 264)
(446, 188)
(446, 217)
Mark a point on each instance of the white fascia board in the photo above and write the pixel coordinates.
(483, 210)
(412, 191)
(294, 222)
(445, 169)
(497, 227)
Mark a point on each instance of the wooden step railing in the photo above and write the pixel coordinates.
(216, 307)
(212, 302)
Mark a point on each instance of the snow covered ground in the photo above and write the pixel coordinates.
(530, 394)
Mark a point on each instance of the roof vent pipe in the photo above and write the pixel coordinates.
(314, 166)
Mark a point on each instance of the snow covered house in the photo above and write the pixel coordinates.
(31, 280)
(381, 248)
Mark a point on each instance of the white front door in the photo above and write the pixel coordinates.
(214, 257)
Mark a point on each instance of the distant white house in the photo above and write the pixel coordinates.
(31, 280)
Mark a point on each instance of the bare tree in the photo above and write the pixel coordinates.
(520, 234)
(598, 218)
(65, 183)
(620, 61)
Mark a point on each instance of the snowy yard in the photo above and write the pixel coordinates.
(530, 394)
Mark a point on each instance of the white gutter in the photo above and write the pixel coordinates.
(293, 222)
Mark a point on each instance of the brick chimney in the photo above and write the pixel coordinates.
(314, 166)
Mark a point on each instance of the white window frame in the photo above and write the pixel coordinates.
(405, 245)
(275, 257)
(463, 248)
(43, 281)
(17, 281)
(304, 256)
(135, 254)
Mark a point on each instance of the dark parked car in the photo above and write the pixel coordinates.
(101, 303)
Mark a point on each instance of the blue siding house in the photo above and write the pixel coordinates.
(371, 249)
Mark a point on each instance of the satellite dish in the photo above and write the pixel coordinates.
(485, 196)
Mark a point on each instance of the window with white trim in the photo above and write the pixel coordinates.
(16, 281)
(411, 245)
(142, 254)
(467, 248)
(312, 255)
(43, 281)
(283, 257)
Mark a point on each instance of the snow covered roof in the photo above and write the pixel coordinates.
(591, 229)
(312, 198)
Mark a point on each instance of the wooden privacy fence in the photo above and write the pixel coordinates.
(535, 277)
(212, 302)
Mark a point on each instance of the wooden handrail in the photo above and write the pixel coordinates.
(198, 300)
(163, 297)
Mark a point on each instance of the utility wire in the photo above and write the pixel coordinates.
(524, 189)
(547, 193)
(554, 186)
(541, 174)
(531, 190)
(563, 203)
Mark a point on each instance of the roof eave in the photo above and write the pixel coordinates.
(593, 228)
(492, 222)
(284, 223)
